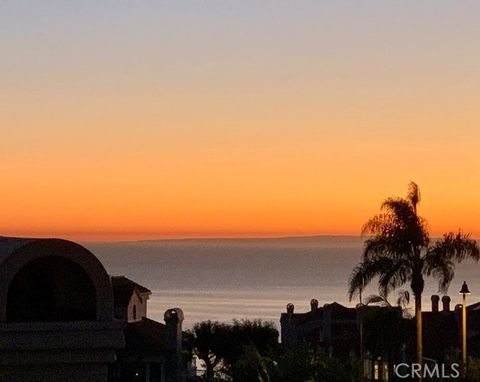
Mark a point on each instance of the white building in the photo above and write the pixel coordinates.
(130, 299)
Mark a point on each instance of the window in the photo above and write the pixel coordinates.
(51, 288)
(134, 312)
(385, 371)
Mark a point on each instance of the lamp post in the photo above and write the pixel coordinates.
(464, 291)
(360, 308)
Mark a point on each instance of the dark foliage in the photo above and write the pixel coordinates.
(222, 346)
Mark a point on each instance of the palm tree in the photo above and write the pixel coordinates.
(398, 251)
(403, 299)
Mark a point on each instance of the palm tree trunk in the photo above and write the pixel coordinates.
(418, 317)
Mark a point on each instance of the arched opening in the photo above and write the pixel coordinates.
(51, 288)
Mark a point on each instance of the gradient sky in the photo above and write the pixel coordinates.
(151, 119)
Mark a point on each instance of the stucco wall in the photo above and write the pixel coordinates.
(141, 308)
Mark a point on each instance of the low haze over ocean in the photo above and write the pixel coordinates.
(222, 279)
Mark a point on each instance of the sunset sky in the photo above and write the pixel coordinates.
(128, 119)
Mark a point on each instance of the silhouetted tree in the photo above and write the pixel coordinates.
(251, 366)
(207, 340)
(223, 347)
(306, 363)
(399, 251)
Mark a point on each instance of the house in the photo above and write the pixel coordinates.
(347, 333)
(63, 318)
(438, 348)
(130, 299)
(447, 321)
(332, 326)
(383, 336)
(152, 349)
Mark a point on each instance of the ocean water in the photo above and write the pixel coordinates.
(225, 279)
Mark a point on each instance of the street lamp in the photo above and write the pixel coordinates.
(464, 291)
(360, 308)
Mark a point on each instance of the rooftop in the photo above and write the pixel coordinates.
(123, 288)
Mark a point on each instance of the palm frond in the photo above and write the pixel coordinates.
(440, 259)
(400, 222)
(394, 247)
(403, 299)
(390, 274)
(457, 246)
(357, 281)
(398, 207)
(414, 196)
(377, 224)
(440, 267)
(379, 300)
(396, 274)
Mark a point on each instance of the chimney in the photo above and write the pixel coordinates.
(173, 340)
(435, 301)
(446, 303)
(290, 308)
(313, 305)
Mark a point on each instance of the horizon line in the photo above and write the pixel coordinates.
(204, 238)
(227, 238)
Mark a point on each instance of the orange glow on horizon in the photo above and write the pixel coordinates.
(235, 121)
